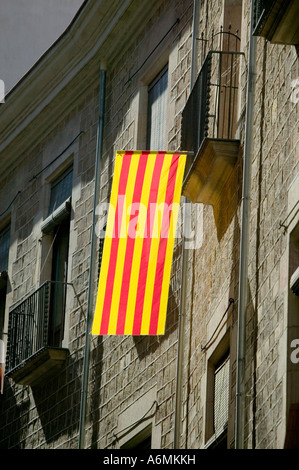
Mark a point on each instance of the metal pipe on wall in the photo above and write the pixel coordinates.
(244, 243)
(181, 319)
(86, 359)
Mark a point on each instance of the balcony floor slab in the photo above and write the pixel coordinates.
(39, 367)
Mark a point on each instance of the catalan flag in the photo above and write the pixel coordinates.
(138, 248)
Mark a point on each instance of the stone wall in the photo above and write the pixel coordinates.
(128, 375)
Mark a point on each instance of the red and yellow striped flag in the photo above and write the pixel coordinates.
(138, 248)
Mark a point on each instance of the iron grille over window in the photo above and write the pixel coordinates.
(211, 109)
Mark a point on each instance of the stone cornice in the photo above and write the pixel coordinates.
(65, 72)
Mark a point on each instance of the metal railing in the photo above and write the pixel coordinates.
(29, 326)
(212, 107)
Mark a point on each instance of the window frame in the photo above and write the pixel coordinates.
(137, 442)
(220, 353)
(4, 279)
(150, 87)
(59, 217)
(6, 229)
(217, 368)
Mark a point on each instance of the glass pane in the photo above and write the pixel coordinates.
(61, 190)
(157, 105)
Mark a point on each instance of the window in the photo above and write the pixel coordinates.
(4, 248)
(142, 440)
(61, 190)
(156, 111)
(59, 227)
(221, 396)
(136, 428)
(36, 324)
(4, 251)
(59, 278)
(274, 20)
(217, 415)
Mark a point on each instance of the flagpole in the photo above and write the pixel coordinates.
(86, 358)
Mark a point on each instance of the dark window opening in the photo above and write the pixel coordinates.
(4, 248)
(59, 284)
(142, 440)
(145, 444)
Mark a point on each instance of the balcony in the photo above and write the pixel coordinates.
(209, 126)
(276, 20)
(31, 358)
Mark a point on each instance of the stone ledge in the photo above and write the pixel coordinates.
(39, 367)
(210, 170)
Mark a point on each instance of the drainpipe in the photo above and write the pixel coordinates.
(244, 243)
(181, 320)
(86, 358)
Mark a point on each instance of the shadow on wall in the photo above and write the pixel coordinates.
(95, 379)
(16, 415)
(230, 198)
(252, 306)
(148, 344)
(58, 402)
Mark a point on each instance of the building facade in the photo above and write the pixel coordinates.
(218, 79)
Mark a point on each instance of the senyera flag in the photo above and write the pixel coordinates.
(138, 247)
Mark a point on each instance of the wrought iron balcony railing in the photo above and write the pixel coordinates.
(210, 127)
(29, 329)
(211, 109)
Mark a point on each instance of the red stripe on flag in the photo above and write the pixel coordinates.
(130, 249)
(115, 242)
(163, 246)
(146, 248)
